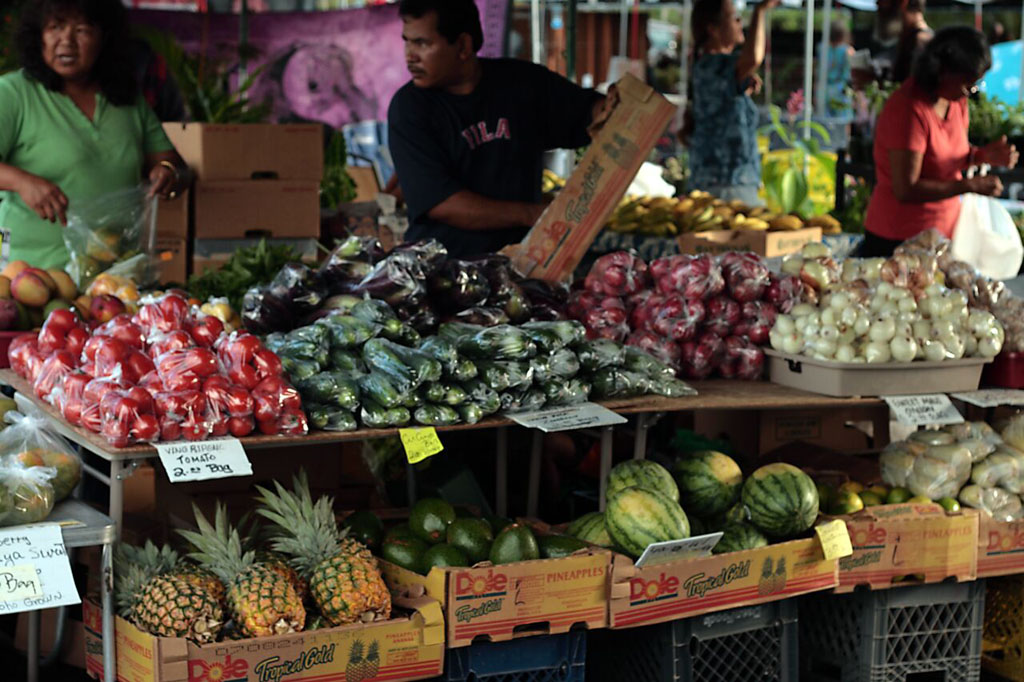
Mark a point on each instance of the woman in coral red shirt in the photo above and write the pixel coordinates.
(921, 147)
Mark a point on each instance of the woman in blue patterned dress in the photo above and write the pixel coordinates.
(724, 159)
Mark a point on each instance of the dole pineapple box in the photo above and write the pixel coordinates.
(1000, 547)
(683, 588)
(895, 542)
(501, 602)
(404, 648)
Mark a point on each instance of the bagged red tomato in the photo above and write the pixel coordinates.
(163, 315)
(70, 398)
(746, 275)
(25, 357)
(204, 329)
(108, 357)
(276, 406)
(55, 330)
(677, 318)
(609, 320)
(617, 274)
(700, 358)
(123, 329)
(182, 414)
(94, 391)
(695, 277)
(246, 360)
(127, 416)
(52, 373)
(661, 348)
(758, 318)
(165, 342)
(186, 369)
(784, 291)
(224, 402)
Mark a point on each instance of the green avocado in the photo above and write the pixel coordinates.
(472, 536)
(365, 527)
(430, 518)
(558, 546)
(515, 543)
(443, 555)
(406, 553)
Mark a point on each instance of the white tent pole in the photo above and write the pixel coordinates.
(624, 27)
(808, 66)
(824, 54)
(768, 58)
(684, 59)
(1020, 87)
(535, 31)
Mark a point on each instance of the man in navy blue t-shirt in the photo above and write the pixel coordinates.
(467, 134)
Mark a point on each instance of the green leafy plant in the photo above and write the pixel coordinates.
(337, 185)
(992, 118)
(247, 267)
(206, 84)
(786, 181)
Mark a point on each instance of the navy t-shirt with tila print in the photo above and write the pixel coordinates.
(490, 142)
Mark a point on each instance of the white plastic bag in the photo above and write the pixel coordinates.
(986, 238)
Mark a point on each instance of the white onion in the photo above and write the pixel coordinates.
(908, 304)
(828, 316)
(862, 325)
(825, 347)
(784, 323)
(848, 315)
(934, 289)
(792, 263)
(922, 330)
(814, 318)
(775, 338)
(845, 353)
(970, 343)
(802, 310)
(900, 293)
(904, 329)
(871, 269)
(954, 346)
(799, 324)
(829, 331)
(846, 335)
(934, 351)
(882, 329)
(812, 329)
(884, 289)
(840, 300)
(792, 343)
(876, 303)
(903, 348)
(877, 352)
(941, 328)
(851, 270)
(989, 347)
(981, 322)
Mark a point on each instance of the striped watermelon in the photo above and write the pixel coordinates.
(738, 536)
(637, 517)
(709, 482)
(783, 500)
(642, 473)
(590, 528)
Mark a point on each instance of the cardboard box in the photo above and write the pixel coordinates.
(691, 587)
(172, 216)
(767, 244)
(1000, 547)
(410, 647)
(210, 254)
(540, 597)
(172, 259)
(252, 150)
(902, 540)
(556, 244)
(233, 209)
(834, 429)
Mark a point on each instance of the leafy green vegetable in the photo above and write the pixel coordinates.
(247, 267)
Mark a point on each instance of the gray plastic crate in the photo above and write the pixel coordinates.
(748, 644)
(924, 632)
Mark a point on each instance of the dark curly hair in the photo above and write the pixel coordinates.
(113, 70)
(959, 50)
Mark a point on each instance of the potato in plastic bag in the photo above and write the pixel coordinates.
(897, 461)
(1013, 432)
(973, 430)
(1013, 482)
(994, 469)
(26, 492)
(30, 441)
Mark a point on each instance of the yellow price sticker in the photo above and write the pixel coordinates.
(835, 539)
(420, 443)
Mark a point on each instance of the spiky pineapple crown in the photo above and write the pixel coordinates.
(135, 567)
(218, 547)
(305, 531)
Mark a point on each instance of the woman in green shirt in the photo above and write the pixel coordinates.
(73, 125)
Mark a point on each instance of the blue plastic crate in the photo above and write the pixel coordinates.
(926, 632)
(547, 658)
(747, 644)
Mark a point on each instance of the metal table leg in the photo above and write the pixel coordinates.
(533, 492)
(606, 462)
(32, 648)
(643, 423)
(410, 483)
(117, 476)
(107, 599)
(501, 472)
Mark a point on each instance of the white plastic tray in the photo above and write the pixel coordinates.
(848, 379)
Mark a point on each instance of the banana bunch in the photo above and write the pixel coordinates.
(827, 223)
(550, 181)
(645, 215)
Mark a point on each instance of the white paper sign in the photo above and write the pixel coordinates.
(34, 569)
(582, 416)
(203, 460)
(674, 550)
(921, 410)
(992, 397)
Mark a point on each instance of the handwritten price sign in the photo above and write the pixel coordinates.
(420, 443)
(34, 569)
(204, 460)
(921, 410)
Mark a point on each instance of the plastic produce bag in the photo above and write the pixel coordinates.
(330, 418)
(600, 353)
(336, 389)
(562, 392)
(26, 492)
(933, 471)
(504, 376)
(113, 233)
(986, 237)
(483, 396)
(1013, 432)
(614, 382)
(29, 440)
(485, 316)
(617, 274)
(640, 361)
(375, 416)
(436, 415)
(348, 331)
(503, 342)
(525, 400)
(458, 285)
(1001, 504)
(552, 336)
(300, 287)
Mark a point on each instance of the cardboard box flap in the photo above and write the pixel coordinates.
(635, 88)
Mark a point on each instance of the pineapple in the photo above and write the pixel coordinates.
(278, 563)
(197, 576)
(346, 586)
(372, 664)
(260, 601)
(159, 602)
(354, 669)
